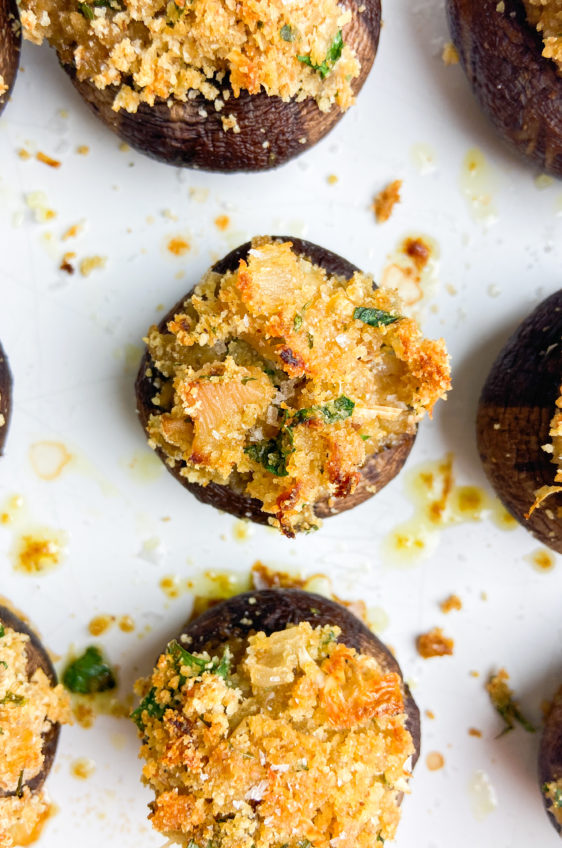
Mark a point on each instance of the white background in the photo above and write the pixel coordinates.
(67, 335)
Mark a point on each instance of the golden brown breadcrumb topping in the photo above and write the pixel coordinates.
(177, 48)
(553, 793)
(28, 708)
(280, 381)
(554, 447)
(546, 16)
(299, 741)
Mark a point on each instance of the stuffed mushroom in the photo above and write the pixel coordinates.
(10, 45)
(512, 55)
(209, 83)
(519, 423)
(277, 718)
(32, 708)
(5, 397)
(286, 387)
(550, 763)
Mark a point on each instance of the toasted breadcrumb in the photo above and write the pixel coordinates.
(300, 741)
(47, 160)
(546, 16)
(554, 447)
(434, 644)
(92, 263)
(386, 200)
(450, 54)
(3, 87)
(172, 48)
(453, 602)
(272, 381)
(28, 709)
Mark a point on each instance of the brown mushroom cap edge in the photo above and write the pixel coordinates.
(378, 470)
(10, 46)
(191, 134)
(550, 753)
(519, 90)
(513, 421)
(37, 657)
(5, 396)
(270, 610)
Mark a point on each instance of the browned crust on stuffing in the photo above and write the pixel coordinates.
(519, 90)
(179, 135)
(270, 610)
(550, 752)
(5, 395)
(513, 422)
(37, 658)
(378, 470)
(10, 46)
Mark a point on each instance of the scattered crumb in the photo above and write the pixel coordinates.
(230, 122)
(450, 289)
(23, 153)
(450, 55)
(434, 644)
(37, 202)
(331, 179)
(47, 160)
(83, 149)
(473, 731)
(72, 231)
(65, 264)
(91, 263)
(124, 147)
(430, 714)
(222, 222)
(435, 761)
(503, 701)
(178, 246)
(385, 201)
(453, 602)
(474, 673)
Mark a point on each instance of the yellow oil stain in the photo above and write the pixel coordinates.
(130, 355)
(222, 222)
(438, 503)
(39, 551)
(435, 761)
(424, 158)
(178, 245)
(412, 268)
(86, 708)
(171, 586)
(542, 560)
(478, 184)
(242, 530)
(144, 466)
(49, 459)
(100, 624)
(12, 509)
(22, 836)
(82, 768)
(126, 624)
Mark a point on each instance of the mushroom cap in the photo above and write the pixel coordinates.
(550, 752)
(270, 610)
(5, 395)
(37, 657)
(10, 46)
(519, 90)
(191, 134)
(378, 470)
(513, 420)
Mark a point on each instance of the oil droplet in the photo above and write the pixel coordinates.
(171, 586)
(100, 624)
(483, 800)
(242, 530)
(86, 708)
(39, 552)
(424, 158)
(83, 768)
(412, 268)
(48, 459)
(478, 183)
(558, 205)
(126, 624)
(145, 467)
(542, 560)
(377, 619)
(130, 355)
(543, 181)
(118, 740)
(20, 834)
(12, 507)
(435, 761)
(502, 518)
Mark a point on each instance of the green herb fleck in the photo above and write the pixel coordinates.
(10, 698)
(336, 410)
(19, 790)
(310, 339)
(150, 705)
(304, 843)
(272, 454)
(297, 322)
(374, 317)
(86, 10)
(247, 380)
(2, 631)
(287, 33)
(89, 673)
(332, 56)
(219, 667)
(4, 664)
(502, 699)
(365, 437)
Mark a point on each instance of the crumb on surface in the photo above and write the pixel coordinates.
(386, 200)
(453, 602)
(450, 55)
(434, 643)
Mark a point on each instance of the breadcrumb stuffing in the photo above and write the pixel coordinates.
(281, 380)
(28, 708)
(546, 16)
(173, 48)
(386, 200)
(299, 741)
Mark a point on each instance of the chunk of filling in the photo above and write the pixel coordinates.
(280, 381)
(28, 709)
(554, 448)
(553, 793)
(546, 16)
(178, 48)
(297, 740)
